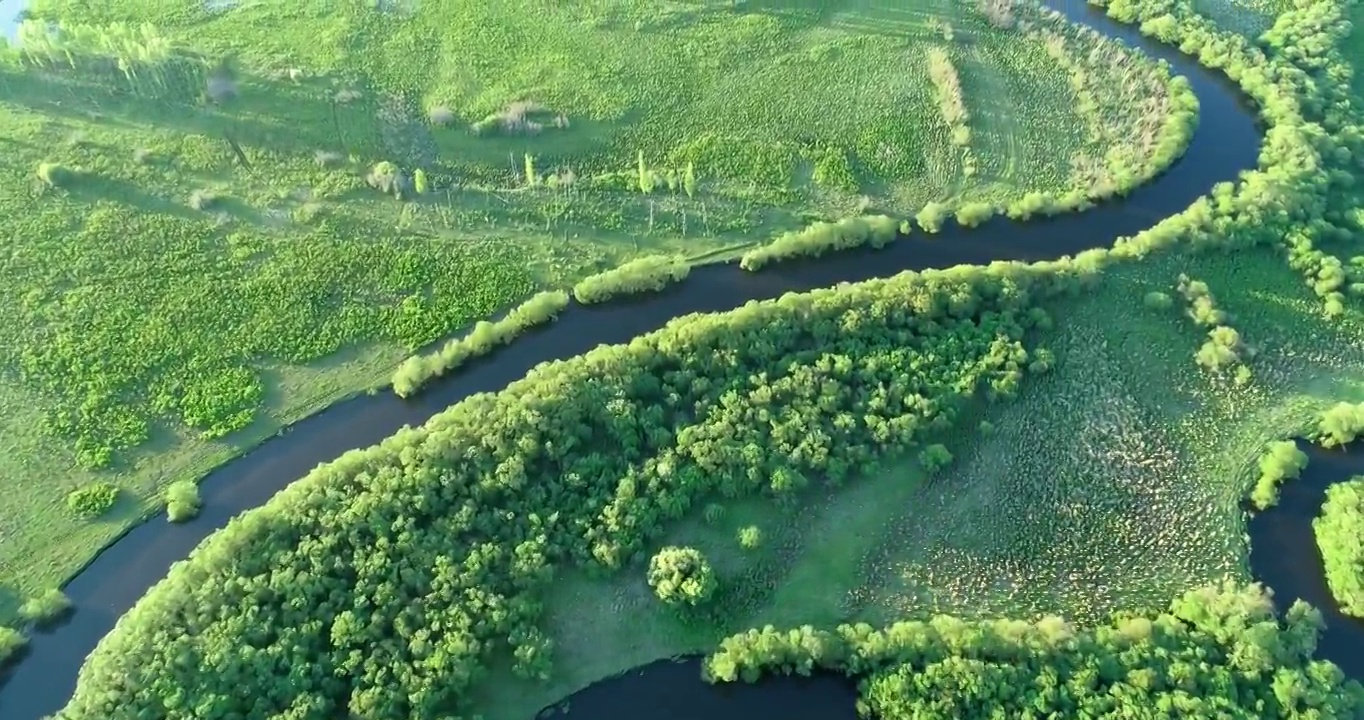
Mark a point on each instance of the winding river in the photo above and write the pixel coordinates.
(1226, 144)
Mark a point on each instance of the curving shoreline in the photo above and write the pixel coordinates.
(1226, 143)
(1284, 552)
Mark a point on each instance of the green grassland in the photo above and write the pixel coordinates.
(1115, 481)
(183, 279)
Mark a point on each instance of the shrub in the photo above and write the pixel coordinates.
(822, 237)
(1033, 203)
(750, 538)
(646, 274)
(1340, 425)
(387, 178)
(681, 576)
(1157, 300)
(11, 642)
(182, 500)
(974, 213)
(932, 217)
(486, 336)
(45, 608)
(55, 174)
(935, 457)
(1340, 536)
(441, 116)
(92, 500)
(1282, 460)
(202, 199)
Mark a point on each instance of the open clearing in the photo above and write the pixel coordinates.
(1115, 481)
(182, 279)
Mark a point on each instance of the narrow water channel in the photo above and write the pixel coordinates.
(1284, 554)
(1226, 144)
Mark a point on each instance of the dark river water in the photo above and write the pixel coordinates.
(1284, 554)
(1226, 144)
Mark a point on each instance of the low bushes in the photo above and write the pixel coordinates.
(92, 500)
(1282, 460)
(486, 336)
(182, 501)
(1340, 536)
(820, 238)
(1216, 652)
(45, 608)
(646, 274)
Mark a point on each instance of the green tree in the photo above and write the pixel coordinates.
(681, 576)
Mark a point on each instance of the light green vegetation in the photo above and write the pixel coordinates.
(486, 336)
(1116, 480)
(1217, 651)
(182, 279)
(11, 642)
(641, 275)
(182, 500)
(1340, 536)
(45, 607)
(1281, 461)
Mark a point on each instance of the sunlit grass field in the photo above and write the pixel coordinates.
(178, 279)
(1115, 481)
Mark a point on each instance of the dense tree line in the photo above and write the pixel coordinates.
(380, 583)
(1216, 652)
(1340, 536)
(1282, 460)
(647, 274)
(485, 337)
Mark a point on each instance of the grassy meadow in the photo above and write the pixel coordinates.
(183, 278)
(1115, 481)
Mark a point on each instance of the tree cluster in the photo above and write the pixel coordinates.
(382, 583)
(647, 274)
(1223, 349)
(1340, 536)
(1216, 652)
(485, 337)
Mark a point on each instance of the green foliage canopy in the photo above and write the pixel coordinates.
(1216, 652)
(682, 576)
